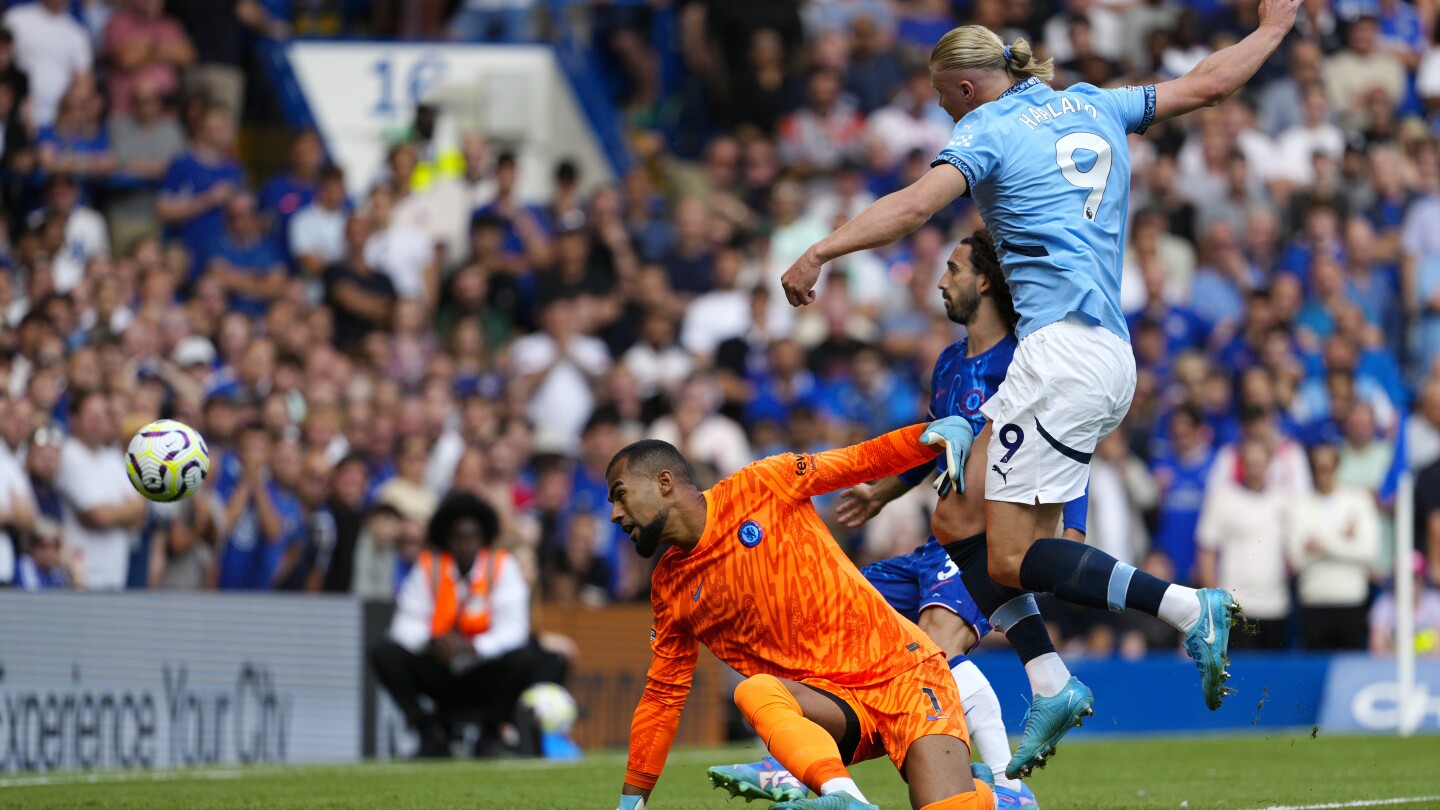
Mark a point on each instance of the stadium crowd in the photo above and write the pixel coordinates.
(352, 355)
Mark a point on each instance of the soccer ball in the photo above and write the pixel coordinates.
(554, 708)
(167, 461)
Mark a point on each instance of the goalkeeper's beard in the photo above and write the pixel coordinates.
(649, 540)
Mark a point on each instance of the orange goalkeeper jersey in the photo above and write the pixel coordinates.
(769, 591)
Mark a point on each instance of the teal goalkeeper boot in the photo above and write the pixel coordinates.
(1208, 642)
(1046, 721)
(835, 801)
(766, 779)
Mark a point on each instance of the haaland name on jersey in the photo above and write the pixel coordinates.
(1043, 115)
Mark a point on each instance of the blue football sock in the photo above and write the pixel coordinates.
(1085, 575)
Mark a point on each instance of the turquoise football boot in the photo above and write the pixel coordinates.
(835, 801)
(766, 779)
(1208, 642)
(1046, 722)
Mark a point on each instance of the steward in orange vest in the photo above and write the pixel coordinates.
(461, 631)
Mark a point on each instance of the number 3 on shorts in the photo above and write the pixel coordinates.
(1094, 178)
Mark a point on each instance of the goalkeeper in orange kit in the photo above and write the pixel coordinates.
(833, 674)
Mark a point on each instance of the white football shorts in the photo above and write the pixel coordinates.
(1068, 387)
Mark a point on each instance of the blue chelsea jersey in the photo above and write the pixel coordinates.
(1050, 174)
(960, 384)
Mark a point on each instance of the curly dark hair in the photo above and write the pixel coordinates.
(986, 262)
(456, 507)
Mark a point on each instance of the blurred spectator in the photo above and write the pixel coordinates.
(1360, 70)
(1315, 133)
(288, 192)
(1427, 618)
(714, 445)
(720, 313)
(1281, 103)
(1289, 471)
(793, 231)
(85, 235)
(218, 30)
(397, 520)
(824, 132)
(873, 71)
(336, 564)
(42, 567)
(404, 254)
(102, 511)
(1241, 537)
(143, 44)
(873, 396)
(182, 555)
(246, 266)
(1422, 428)
(145, 140)
(258, 518)
(602, 438)
(1121, 491)
(42, 463)
(198, 184)
(525, 230)
(461, 632)
(17, 506)
(1333, 545)
(77, 142)
(11, 75)
(1105, 24)
(316, 233)
(301, 567)
(659, 364)
(361, 298)
(54, 52)
(1181, 471)
(1427, 516)
(1365, 456)
(554, 369)
(908, 122)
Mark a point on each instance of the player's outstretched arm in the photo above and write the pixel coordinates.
(803, 475)
(895, 215)
(1221, 73)
(657, 716)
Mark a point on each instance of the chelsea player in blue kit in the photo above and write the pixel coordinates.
(1050, 173)
(925, 585)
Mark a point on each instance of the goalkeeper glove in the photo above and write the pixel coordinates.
(955, 435)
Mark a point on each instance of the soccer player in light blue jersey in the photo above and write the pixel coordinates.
(1050, 174)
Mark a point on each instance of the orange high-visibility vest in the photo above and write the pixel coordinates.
(471, 618)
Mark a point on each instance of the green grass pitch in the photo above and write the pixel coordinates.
(1286, 769)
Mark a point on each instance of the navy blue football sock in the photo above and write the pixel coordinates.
(969, 555)
(1085, 575)
(1010, 610)
(1020, 621)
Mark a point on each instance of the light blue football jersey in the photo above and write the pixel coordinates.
(1050, 173)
